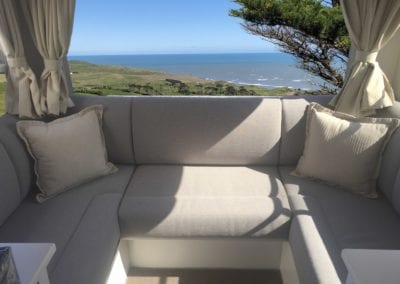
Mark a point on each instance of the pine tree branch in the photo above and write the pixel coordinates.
(314, 56)
(314, 31)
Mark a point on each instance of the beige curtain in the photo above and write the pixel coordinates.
(51, 24)
(22, 96)
(371, 24)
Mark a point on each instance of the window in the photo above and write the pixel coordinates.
(143, 49)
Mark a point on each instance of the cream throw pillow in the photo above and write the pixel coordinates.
(343, 150)
(68, 151)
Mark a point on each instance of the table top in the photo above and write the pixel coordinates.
(372, 266)
(30, 258)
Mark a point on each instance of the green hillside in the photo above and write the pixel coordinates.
(115, 80)
(101, 80)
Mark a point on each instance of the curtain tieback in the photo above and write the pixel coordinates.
(53, 64)
(17, 62)
(366, 56)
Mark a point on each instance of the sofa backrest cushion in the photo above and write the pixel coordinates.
(116, 125)
(294, 126)
(17, 154)
(10, 195)
(396, 193)
(206, 130)
(388, 181)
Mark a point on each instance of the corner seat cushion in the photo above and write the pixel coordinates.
(327, 219)
(189, 201)
(73, 220)
(91, 250)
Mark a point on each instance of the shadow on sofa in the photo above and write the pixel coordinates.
(198, 168)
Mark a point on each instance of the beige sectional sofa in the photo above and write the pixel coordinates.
(198, 168)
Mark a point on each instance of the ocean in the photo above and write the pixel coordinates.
(269, 70)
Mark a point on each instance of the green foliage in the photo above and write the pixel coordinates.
(90, 79)
(311, 30)
(310, 17)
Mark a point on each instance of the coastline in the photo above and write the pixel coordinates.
(102, 80)
(109, 80)
(267, 70)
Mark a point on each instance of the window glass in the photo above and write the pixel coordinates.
(143, 49)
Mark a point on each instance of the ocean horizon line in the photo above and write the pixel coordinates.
(266, 69)
(183, 53)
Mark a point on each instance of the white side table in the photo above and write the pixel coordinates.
(31, 260)
(372, 266)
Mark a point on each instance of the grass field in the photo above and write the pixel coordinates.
(115, 80)
(100, 80)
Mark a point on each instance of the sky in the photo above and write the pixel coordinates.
(105, 27)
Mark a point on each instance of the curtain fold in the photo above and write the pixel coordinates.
(23, 94)
(50, 23)
(371, 24)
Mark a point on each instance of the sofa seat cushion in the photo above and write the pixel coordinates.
(71, 220)
(90, 252)
(189, 201)
(327, 219)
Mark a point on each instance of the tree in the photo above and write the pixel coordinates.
(313, 31)
(230, 91)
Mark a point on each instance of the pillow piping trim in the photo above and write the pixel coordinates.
(391, 123)
(98, 110)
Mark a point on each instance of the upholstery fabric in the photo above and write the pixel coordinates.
(396, 193)
(68, 151)
(90, 252)
(50, 23)
(294, 126)
(17, 153)
(371, 24)
(61, 219)
(340, 220)
(116, 125)
(311, 251)
(206, 131)
(187, 201)
(344, 150)
(183, 201)
(389, 171)
(10, 196)
(23, 94)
